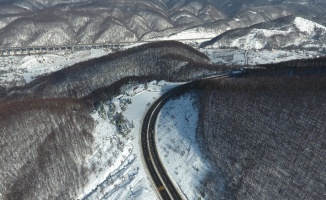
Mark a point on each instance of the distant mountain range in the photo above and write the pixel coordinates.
(43, 22)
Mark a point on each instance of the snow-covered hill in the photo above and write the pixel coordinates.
(18, 70)
(256, 57)
(288, 32)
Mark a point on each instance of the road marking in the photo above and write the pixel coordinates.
(161, 188)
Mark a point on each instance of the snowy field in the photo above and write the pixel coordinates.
(116, 163)
(253, 57)
(178, 148)
(19, 70)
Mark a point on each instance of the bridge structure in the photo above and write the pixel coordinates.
(10, 51)
(16, 51)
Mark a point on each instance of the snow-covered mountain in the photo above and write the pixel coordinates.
(50, 22)
(210, 30)
(42, 22)
(232, 7)
(287, 32)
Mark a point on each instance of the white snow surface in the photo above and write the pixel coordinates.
(23, 69)
(253, 57)
(118, 171)
(300, 32)
(177, 145)
(199, 33)
(305, 25)
(248, 42)
(269, 33)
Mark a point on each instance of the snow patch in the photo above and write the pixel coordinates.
(250, 41)
(254, 57)
(23, 69)
(191, 34)
(177, 145)
(116, 160)
(307, 26)
(269, 33)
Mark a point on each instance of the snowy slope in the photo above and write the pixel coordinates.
(18, 70)
(190, 34)
(118, 171)
(178, 148)
(307, 26)
(291, 32)
(253, 57)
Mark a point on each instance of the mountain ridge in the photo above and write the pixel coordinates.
(41, 23)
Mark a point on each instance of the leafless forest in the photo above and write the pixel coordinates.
(266, 136)
(43, 144)
(165, 60)
(263, 129)
(45, 126)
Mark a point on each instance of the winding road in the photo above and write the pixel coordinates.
(163, 184)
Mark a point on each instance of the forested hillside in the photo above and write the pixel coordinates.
(165, 60)
(266, 136)
(43, 146)
(263, 130)
(46, 130)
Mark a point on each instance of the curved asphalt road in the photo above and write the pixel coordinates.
(163, 184)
